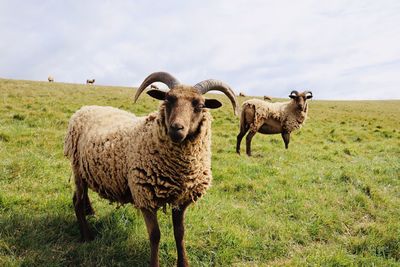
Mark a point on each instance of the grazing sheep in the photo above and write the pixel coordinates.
(272, 118)
(241, 94)
(50, 79)
(153, 161)
(90, 81)
(267, 98)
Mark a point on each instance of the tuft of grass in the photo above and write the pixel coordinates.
(4, 137)
(18, 117)
(331, 199)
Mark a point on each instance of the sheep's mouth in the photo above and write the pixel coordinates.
(176, 136)
(302, 108)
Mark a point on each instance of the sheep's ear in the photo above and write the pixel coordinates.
(157, 94)
(212, 103)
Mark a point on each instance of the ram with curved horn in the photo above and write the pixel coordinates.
(151, 162)
(258, 116)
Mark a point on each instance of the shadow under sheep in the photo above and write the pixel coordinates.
(51, 240)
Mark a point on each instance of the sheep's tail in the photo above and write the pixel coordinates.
(242, 116)
(240, 110)
(71, 141)
(239, 113)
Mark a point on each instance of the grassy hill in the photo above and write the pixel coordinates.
(332, 199)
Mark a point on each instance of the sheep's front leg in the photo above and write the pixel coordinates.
(286, 139)
(150, 218)
(178, 217)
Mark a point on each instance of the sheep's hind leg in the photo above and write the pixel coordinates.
(150, 218)
(178, 218)
(80, 199)
(249, 136)
(242, 133)
(286, 139)
(88, 206)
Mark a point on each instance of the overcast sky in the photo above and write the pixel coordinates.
(337, 49)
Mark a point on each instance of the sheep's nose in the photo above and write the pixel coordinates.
(177, 127)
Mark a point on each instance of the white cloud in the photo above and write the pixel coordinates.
(337, 49)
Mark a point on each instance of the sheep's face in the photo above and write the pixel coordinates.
(184, 108)
(301, 99)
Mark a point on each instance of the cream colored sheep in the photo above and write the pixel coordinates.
(50, 79)
(272, 118)
(153, 161)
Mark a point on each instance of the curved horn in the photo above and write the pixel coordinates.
(163, 77)
(294, 92)
(210, 84)
(308, 92)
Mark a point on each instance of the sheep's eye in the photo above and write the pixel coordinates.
(195, 103)
(197, 106)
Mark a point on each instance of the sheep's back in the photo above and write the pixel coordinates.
(266, 108)
(96, 143)
(263, 111)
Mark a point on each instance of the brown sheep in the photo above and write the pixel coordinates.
(151, 162)
(272, 118)
(90, 81)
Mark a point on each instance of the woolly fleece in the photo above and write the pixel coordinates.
(290, 117)
(131, 159)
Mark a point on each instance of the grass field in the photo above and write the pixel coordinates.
(332, 199)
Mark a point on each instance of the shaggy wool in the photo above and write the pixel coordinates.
(287, 113)
(129, 159)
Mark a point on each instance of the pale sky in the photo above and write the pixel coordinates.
(337, 49)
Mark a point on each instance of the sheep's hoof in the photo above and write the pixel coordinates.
(89, 210)
(87, 238)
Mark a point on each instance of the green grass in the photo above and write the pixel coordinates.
(332, 199)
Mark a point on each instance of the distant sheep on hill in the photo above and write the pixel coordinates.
(242, 94)
(272, 118)
(267, 98)
(50, 79)
(90, 81)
